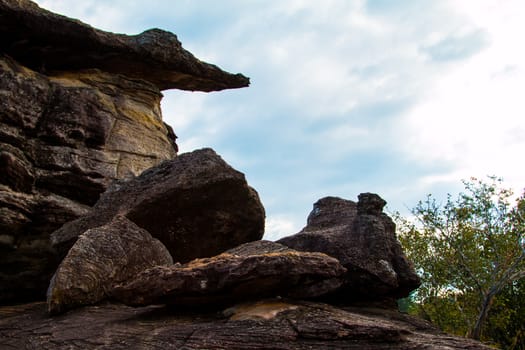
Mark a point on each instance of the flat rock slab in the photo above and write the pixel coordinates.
(45, 41)
(228, 278)
(102, 257)
(267, 324)
(196, 205)
(363, 239)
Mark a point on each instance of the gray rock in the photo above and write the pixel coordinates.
(101, 258)
(196, 204)
(363, 239)
(254, 270)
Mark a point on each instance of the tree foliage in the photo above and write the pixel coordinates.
(470, 253)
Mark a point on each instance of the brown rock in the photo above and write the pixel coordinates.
(45, 42)
(63, 139)
(102, 257)
(266, 324)
(363, 239)
(196, 204)
(254, 270)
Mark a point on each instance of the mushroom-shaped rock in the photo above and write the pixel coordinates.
(363, 239)
(257, 269)
(102, 257)
(44, 41)
(196, 204)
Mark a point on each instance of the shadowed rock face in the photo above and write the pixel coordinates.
(196, 204)
(363, 239)
(254, 270)
(101, 258)
(63, 139)
(79, 108)
(45, 42)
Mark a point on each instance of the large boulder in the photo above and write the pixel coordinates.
(363, 239)
(254, 270)
(196, 204)
(100, 259)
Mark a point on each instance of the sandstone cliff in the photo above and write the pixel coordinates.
(79, 108)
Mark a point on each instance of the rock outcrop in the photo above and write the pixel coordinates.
(363, 239)
(252, 271)
(101, 258)
(80, 116)
(46, 42)
(196, 204)
(79, 108)
(266, 324)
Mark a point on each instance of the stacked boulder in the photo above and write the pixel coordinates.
(200, 213)
(85, 153)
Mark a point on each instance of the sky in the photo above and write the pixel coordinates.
(400, 98)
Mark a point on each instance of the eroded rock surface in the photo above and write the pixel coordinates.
(363, 239)
(254, 270)
(196, 204)
(46, 42)
(101, 258)
(266, 324)
(79, 108)
(63, 139)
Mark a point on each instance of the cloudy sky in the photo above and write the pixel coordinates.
(401, 98)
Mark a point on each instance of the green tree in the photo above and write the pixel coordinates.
(468, 251)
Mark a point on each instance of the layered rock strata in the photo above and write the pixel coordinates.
(63, 139)
(266, 324)
(255, 270)
(79, 108)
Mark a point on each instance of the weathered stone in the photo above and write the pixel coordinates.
(254, 270)
(363, 239)
(63, 139)
(196, 204)
(266, 324)
(101, 258)
(46, 42)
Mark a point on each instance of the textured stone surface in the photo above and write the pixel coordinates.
(63, 139)
(101, 258)
(254, 270)
(363, 239)
(196, 204)
(46, 42)
(267, 324)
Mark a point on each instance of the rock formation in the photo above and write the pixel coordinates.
(101, 258)
(255, 270)
(79, 108)
(364, 240)
(196, 204)
(46, 42)
(80, 116)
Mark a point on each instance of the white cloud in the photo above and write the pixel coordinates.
(279, 226)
